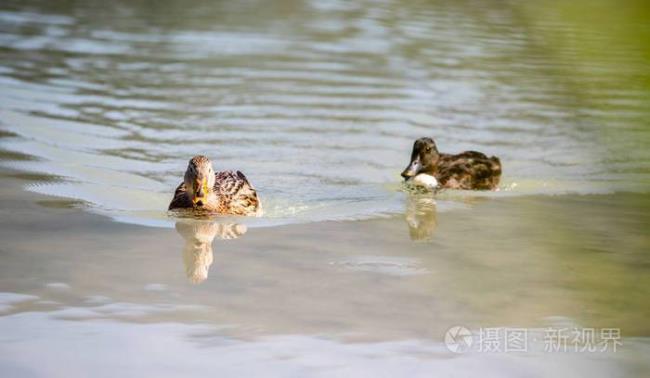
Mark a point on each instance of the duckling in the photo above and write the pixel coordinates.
(468, 170)
(226, 192)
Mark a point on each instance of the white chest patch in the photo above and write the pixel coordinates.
(424, 180)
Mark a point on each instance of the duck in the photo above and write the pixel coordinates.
(469, 170)
(205, 191)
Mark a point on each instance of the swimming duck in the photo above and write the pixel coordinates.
(225, 192)
(468, 170)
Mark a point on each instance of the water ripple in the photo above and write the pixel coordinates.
(318, 103)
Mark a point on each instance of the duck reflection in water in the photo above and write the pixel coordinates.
(421, 217)
(197, 251)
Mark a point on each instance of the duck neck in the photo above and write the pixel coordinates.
(430, 170)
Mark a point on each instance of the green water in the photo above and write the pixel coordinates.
(102, 104)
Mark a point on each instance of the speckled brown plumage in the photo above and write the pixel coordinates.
(230, 194)
(468, 170)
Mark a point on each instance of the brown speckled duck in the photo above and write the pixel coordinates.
(227, 192)
(468, 170)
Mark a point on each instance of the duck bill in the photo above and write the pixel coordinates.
(200, 192)
(413, 169)
(198, 201)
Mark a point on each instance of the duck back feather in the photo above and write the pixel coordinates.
(469, 170)
(235, 196)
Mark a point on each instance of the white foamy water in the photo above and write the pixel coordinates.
(317, 104)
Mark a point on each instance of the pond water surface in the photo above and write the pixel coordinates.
(318, 102)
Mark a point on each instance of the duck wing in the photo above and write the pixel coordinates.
(236, 195)
(469, 170)
(180, 200)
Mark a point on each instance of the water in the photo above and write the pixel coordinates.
(318, 102)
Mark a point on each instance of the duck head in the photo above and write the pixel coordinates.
(424, 158)
(199, 180)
